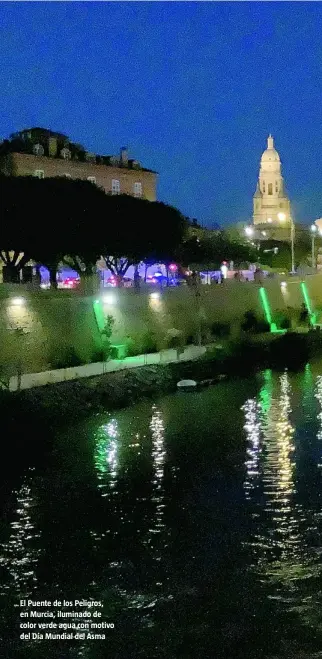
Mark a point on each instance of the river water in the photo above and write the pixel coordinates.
(195, 518)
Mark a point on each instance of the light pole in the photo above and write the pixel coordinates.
(250, 233)
(313, 234)
(282, 217)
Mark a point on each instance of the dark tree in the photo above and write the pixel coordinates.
(49, 221)
(210, 252)
(139, 230)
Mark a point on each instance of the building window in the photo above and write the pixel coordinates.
(270, 188)
(91, 179)
(115, 186)
(137, 189)
(38, 150)
(263, 186)
(65, 153)
(39, 173)
(276, 186)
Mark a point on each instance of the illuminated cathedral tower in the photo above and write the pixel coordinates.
(271, 205)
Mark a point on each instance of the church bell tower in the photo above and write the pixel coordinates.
(271, 204)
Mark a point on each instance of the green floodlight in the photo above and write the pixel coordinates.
(307, 302)
(99, 315)
(267, 311)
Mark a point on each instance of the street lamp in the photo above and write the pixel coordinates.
(313, 233)
(282, 218)
(249, 231)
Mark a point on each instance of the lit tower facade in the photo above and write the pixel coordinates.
(271, 204)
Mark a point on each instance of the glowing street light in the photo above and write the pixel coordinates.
(17, 301)
(109, 299)
(313, 234)
(282, 218)
(249, 231)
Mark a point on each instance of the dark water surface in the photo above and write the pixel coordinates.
(196, 518)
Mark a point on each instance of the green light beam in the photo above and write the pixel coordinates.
(308, 303)
(267, 311)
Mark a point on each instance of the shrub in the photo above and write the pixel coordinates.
(252, 324)
(132, 349)
(262, 326)
(250, 321)
(97, 356)
(220, 329)
(174, 342)
(285, 323)
(68, 359)
(149, 343)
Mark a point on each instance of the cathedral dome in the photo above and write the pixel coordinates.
(270, 154)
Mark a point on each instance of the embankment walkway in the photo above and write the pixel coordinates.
(29, 380)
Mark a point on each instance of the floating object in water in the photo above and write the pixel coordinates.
(187, 385)
(192, 385)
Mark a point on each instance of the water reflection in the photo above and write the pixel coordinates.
(158, 460)
(20, 554)
(106, 456)
(253, 431)
(318, 395)
(134, 533)
(279, 545)
(308, 393)
(278, 475)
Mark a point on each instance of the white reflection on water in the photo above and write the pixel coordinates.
(106, 464)
(158, 461)
(278, 476)
(279, 547)
(20, 555)
(270, 442)
(318, 395)
(148, 527)
(253, 430)
(106, 456)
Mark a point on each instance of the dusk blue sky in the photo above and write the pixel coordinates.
(193, 89)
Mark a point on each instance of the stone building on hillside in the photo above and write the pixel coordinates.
(44, 153)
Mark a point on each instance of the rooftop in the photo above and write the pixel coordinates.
(50, 144)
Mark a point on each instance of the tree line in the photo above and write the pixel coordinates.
(60, 220)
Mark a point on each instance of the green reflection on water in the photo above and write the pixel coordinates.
(106, 455)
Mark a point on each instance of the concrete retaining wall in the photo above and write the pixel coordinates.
(39, 330)
(29, 380)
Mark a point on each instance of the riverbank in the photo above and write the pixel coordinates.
(67, 402)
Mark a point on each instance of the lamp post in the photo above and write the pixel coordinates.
(250, 233)
(282, 217)
(313, 234)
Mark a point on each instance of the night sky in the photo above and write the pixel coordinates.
(193, 89)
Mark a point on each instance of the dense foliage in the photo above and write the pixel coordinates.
(54, 220)
(58, 219)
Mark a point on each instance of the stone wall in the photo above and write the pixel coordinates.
(39, 330)
(23, 164)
